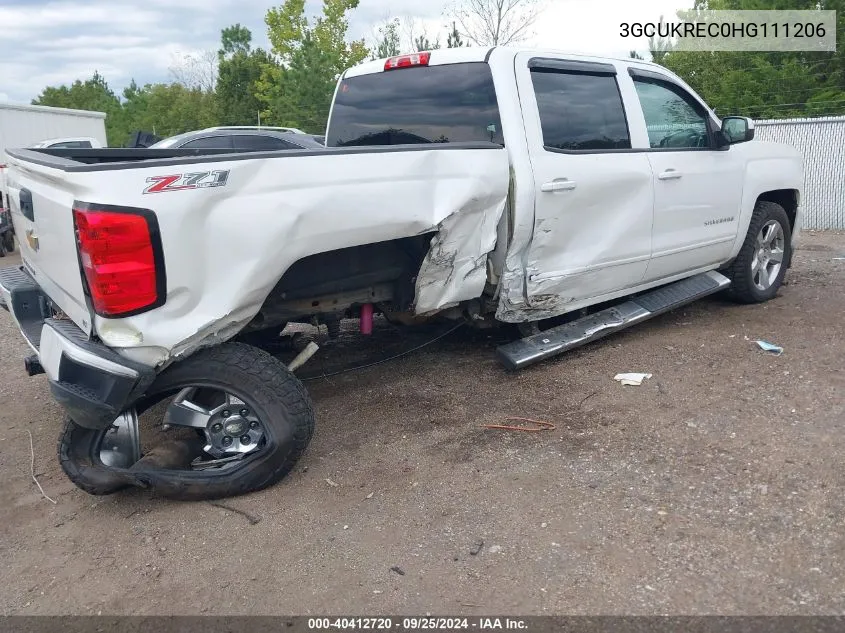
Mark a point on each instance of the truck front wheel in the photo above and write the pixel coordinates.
(757, 273)
(247, 419)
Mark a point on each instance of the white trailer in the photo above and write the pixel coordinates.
(25, 125)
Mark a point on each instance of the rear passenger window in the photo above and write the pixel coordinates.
(209, 142)
(71, 145)
(256, 142)
(580, 112)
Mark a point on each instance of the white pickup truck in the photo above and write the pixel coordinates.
(494, 186)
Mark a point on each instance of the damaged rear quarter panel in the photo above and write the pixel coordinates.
(455, 268)
(225, 248)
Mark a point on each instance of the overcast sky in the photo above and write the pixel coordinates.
(51, 42)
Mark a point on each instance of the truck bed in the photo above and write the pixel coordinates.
(237, 234)
(81, 160)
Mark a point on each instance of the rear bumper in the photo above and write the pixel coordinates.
(91, 381)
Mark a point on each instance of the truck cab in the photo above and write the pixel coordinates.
(622, 177)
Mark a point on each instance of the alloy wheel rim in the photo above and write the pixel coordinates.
(768, 255)
(231, 428)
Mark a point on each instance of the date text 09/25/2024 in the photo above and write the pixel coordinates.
(417, 624)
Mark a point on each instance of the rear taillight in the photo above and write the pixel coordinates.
(406, 61)
(121, 261)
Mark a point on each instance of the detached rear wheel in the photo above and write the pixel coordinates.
(758, 271)
(247, 418)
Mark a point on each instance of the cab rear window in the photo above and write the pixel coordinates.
(429, 104)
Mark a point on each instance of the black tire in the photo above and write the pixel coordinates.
(743, 288)
(76, 456)
(9, 242)
(275, 394)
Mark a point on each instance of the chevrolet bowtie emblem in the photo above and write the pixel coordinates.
(32, 239)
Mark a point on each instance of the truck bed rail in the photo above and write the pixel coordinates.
(80, 160)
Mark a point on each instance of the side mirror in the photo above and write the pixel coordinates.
(737, 129)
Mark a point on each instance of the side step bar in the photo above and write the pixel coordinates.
(538, 347)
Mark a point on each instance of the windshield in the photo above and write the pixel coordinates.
(429, 104)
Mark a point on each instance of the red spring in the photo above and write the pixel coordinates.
(367, 319)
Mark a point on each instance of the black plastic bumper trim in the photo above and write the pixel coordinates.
(91, 396)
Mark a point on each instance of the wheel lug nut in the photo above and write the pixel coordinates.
(226, 413)
(217, 427)
(245, 439)
(253, 425)
(227, 441)
(244, 412)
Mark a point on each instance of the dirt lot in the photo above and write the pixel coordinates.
(716, 487)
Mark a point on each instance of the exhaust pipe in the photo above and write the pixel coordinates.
(303, 356)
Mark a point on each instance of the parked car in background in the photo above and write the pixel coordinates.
(272, 128)
(80, 142)
(240, 139)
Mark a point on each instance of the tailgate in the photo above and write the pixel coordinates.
(41, 200)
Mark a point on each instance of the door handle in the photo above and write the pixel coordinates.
(557, 185)
(670, 174)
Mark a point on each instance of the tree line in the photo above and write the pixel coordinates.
(292, 84)
(759, 84)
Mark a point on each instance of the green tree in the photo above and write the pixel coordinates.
(453, 39)
(168, 109)
(234, 39)
(296, 89)
(767, 84)
(659, 47)
(92, 94)
(239, 70)
(134, 109)
(401, 35)
(307, 88)
(422, 43)
(388, 42)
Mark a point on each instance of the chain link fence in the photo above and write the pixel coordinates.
(821, 142)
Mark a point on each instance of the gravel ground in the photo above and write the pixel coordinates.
(715, 487)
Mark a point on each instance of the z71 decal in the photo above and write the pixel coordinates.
(180, 182)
